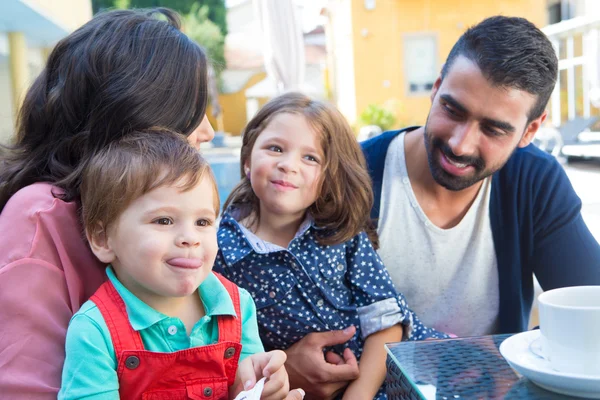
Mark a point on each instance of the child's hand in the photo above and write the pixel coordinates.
(270, 365)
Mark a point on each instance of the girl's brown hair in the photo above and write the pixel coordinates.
(121, 72)
(345, 197)
(133, 166)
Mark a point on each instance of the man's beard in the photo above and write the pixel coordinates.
(434, 146)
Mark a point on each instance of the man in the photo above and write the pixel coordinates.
(467, 209)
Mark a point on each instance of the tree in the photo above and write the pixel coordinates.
(201, 29)
(217, 12)
(204, 21)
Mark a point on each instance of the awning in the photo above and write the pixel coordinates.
(39, 28)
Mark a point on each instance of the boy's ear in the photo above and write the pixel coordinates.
(99, 244)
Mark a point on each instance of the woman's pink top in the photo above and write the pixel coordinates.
(46, 272)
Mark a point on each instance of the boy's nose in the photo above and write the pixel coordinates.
(188, 240)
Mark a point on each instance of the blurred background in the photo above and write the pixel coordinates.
(376, 60)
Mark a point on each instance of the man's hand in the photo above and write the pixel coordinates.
(321, 377)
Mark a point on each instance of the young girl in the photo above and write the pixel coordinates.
(163, 325)
(293, 235)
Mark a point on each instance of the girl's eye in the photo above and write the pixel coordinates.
(204, 222)
(163, 221)
(274, 148)
(311, 158)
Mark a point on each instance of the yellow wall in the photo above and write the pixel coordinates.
(378, 55)
(69, 13)
(234, 107)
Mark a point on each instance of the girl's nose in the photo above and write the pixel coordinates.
(288, 163)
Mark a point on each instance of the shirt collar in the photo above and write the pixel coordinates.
(237, 241)
(214, 296)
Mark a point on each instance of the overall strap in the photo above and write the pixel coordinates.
(112, 307)
(230, 328)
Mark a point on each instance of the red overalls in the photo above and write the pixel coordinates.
(197, 373)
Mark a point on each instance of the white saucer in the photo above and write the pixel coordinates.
(516, 350)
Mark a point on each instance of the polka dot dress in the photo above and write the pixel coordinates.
(309, 287)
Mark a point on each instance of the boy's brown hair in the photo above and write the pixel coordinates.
(133, 166)
(345, 192)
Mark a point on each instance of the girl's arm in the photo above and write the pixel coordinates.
(372, 364)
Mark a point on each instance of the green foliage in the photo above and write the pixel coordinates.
(182, 6)
(200, 28)
(217, 12)
(203, 20)
(378, 115)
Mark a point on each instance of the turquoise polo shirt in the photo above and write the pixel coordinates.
(90, 363)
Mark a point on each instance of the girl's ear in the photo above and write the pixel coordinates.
(247, 170)
(99, 244)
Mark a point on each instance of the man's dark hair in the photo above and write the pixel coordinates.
(510, 52)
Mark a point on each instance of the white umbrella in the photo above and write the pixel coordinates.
(283, 45)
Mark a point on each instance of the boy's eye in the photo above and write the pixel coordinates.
(204, 222)
(163, 221)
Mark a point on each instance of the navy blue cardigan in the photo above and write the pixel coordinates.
(536, 225)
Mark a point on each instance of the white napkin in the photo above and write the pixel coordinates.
(254, 393)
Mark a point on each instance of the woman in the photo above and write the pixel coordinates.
(123, 71)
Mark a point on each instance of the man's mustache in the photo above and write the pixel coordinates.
(476, 162)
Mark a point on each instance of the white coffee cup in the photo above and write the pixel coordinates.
(570, 329)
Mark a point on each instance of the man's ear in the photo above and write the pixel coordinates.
(99, 243)
(532, 129)
(436, 87)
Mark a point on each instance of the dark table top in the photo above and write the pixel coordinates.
(461, 368)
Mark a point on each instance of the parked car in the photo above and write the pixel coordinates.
(577, 139)
(581, 139)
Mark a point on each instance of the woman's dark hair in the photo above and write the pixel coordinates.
(510, 52)
(123, 71)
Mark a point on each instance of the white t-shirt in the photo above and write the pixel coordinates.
(449, 276)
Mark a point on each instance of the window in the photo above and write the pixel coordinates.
(420, 63)
(560, 10)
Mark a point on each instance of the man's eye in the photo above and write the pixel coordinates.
(163, 221)
(449, 110)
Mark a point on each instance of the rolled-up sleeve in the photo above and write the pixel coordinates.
(379, 306)
(382, 315)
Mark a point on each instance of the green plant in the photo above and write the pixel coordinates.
(378, 115)
(201, 29)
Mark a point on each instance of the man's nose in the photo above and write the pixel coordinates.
(464, 139)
